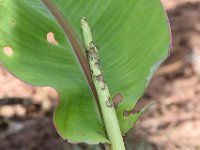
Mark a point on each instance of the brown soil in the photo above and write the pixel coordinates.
(173, 123)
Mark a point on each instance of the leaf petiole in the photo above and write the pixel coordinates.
(106, 104)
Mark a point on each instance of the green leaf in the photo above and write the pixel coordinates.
(133, 38)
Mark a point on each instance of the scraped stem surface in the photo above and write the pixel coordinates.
(107, 107)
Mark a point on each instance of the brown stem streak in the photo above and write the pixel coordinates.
(78, 49)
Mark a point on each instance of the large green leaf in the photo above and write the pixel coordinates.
(133, 39)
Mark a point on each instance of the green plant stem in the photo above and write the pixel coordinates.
(107, 107)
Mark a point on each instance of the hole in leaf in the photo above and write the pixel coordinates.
(51, 39)
(8, 51)
(117, 99)
(141, 106)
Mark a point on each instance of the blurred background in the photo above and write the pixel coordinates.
(173, 123)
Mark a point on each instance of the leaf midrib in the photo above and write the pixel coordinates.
(77, 46)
